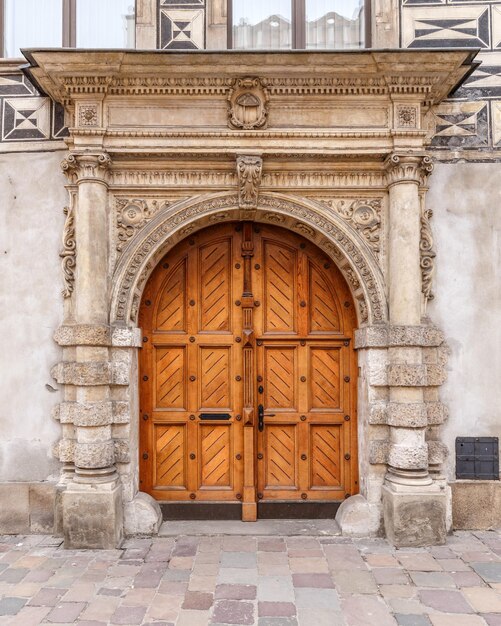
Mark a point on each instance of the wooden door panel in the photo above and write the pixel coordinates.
(215, 384)
(325, 456)
(215, 286)
(280, 453)
(170, 377)
(280, 374)
(323, 313)
(280, 268)
(215, 456)
(325, 374)
(170, 456)
(171, 308)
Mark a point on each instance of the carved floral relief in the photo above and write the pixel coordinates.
(68, 252)
(132, 215)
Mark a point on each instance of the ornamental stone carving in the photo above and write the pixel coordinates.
(364, 215)
(68, 253)
(408, 168)
(248, 104)
(87, 115)
(132, 215)
(407, 117)
(249, 169)
(428, 254)
(78, 167)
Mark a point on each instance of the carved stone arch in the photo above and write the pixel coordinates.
(304, 216)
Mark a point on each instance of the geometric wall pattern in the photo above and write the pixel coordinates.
(25, 115)
(181, 24)
(471, 117)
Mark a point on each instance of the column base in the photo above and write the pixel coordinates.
(93, 515)
(414, 516)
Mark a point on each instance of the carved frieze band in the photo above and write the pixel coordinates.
(78, 167)
(249, 170)
(68, 252)
(408, 168)
(427, 254)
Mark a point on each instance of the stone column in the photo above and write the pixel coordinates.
(414, 507)
(92, 501)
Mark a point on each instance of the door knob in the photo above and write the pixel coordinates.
(260, 417)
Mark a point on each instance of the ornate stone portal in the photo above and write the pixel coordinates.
(330, 145)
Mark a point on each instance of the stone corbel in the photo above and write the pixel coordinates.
(408, 168)
(249, 170)
(92, 167)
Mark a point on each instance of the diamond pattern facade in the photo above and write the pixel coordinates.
(471, 118)
(181, 24)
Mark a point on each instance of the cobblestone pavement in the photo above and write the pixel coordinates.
(264, 581)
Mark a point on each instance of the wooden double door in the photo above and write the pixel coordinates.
(247, 372)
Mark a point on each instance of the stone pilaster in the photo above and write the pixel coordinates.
(92, 501)
(414, 507)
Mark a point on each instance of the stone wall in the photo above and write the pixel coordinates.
(32, 197)
(465, 199)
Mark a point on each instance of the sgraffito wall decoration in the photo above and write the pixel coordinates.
(26, 116)
(471, 118)
(181, 24)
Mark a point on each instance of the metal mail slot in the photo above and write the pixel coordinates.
(215, 416)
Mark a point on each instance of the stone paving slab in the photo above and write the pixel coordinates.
(252, 580)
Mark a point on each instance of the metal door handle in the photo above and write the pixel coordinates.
(260, 417)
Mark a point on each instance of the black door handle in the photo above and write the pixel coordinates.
(260, 417)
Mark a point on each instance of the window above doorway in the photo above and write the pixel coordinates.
(65, 23)
(297, 24)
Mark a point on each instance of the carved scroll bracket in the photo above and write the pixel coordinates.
(428, 254)
(93, 167)
(408, 168)
(249, 171)
(69, 251)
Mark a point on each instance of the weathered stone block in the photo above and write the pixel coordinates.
(407, 415)
(83, 335)
(120, 374)
(88, 373)
(371, 337)
(378, 452)
(476, 504)
(378, 413)
(15, 508)
(437, 412)
(403, 375)
(142, 516)
(357, 518)
(86, 414)
(126, 337)
(436, 375)
(408, 457)
(393, 336)
(65, 450)
(121, 413)
(437, 452)
(92, 517)
(42, 501)
(94, 455)
(121, 451)
(414, 517)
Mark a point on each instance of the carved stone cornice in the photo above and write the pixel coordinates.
(249, 169)
(405, 168)
(80, 167)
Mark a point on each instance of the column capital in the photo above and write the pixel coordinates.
(87, 167)
(405, 168)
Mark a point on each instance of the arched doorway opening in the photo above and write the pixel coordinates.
(248, 375)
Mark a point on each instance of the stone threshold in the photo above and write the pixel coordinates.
(264, 527)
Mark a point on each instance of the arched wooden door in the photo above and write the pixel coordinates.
(247, 372)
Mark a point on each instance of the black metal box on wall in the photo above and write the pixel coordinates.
(477, 458)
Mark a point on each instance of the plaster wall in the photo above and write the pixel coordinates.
(32, 197)
(466, 203)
